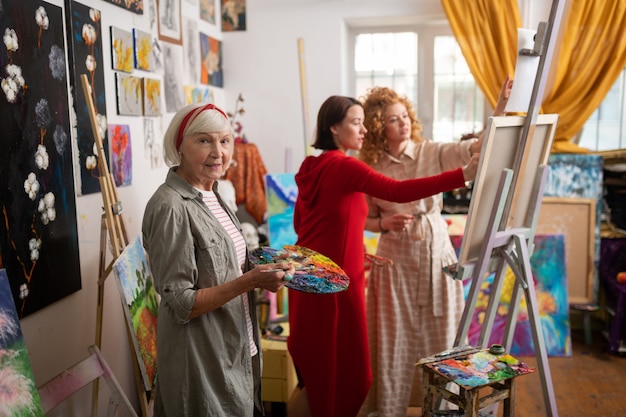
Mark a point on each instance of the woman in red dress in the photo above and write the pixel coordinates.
(328, 332)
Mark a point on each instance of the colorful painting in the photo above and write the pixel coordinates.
(480, 368)
(135, 6)
(121, 155)
(86, 57)
(282, 192)
(122, 53)
(38, 230)
(550, 280)
(207, 11)
(195, 94)
(142, 42)
(233, 15)
(129, 95)
(314, 272)
(17, 383)
(211, 61)
(141, 306)
(151, 97)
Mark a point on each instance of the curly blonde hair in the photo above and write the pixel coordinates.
(374, 104)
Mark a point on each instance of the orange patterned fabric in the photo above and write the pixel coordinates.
(248, 178)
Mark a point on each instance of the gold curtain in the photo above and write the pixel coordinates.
(486, 31)
(592, 56)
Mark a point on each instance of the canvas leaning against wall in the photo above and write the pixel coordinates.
(38, 230)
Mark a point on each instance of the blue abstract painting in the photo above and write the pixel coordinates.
(281, 199)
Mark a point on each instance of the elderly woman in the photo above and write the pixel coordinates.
(208, 352)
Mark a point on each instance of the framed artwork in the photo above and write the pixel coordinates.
(135, 6)
(574, 218)
(151, 96)
(207, 11)
(142, 47)
(498, 153)
(129, 95)
(86, 57)
(38, 229)
(169, 19)
(122, 55)
(233, 15)
(141, 306)
(121, 154)
(20, 396)
(211, 61)
(282, 192)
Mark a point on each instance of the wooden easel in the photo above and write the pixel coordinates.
(113, 225)
(512, 246)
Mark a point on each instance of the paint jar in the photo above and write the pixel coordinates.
(496, 349)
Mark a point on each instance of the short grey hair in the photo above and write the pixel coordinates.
(209, 120)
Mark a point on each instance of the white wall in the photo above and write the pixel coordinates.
(261, 63)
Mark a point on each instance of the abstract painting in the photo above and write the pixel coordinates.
(121, 154)
(38, 230)
(195, 94)
(233, 15)
(547, 264)
(122, 54)
(135, 6)
(86, 57)
(142, 42)
(151, 97)
(129, 95)
(17, 383)
(282, 192)
(211, 61)
(141, 306)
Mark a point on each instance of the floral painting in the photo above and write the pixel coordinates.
(151, 97)
(142, 43)
(17, 384)
(86, 57)
(122, 53)
(129, 95)
(141, 306)
(38, 230)
(121, 155)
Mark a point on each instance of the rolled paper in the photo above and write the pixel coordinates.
(525, 73)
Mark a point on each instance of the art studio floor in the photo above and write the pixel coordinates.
(590, 383)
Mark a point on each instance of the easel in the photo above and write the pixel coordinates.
(113, 222)
(512, 246)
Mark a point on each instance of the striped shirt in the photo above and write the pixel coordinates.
(210, 199)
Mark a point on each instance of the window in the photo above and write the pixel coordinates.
(605, 130)
(425, 64)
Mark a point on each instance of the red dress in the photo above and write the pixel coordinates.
(328, 332)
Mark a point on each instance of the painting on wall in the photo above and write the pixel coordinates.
(129, 95)
(191, 47)
(152, 143)
(151, 96)
(282, 192)
(195, 94)
(207, 11)
(550, 280)
(172, 84)
(211, 61)
(122, 55)
(142, 47)
(86, 57)
(169, 21)
(38, 230)
(17, 384)
(121, 155)
(141, 306)
(233, 15)
(135, 6)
